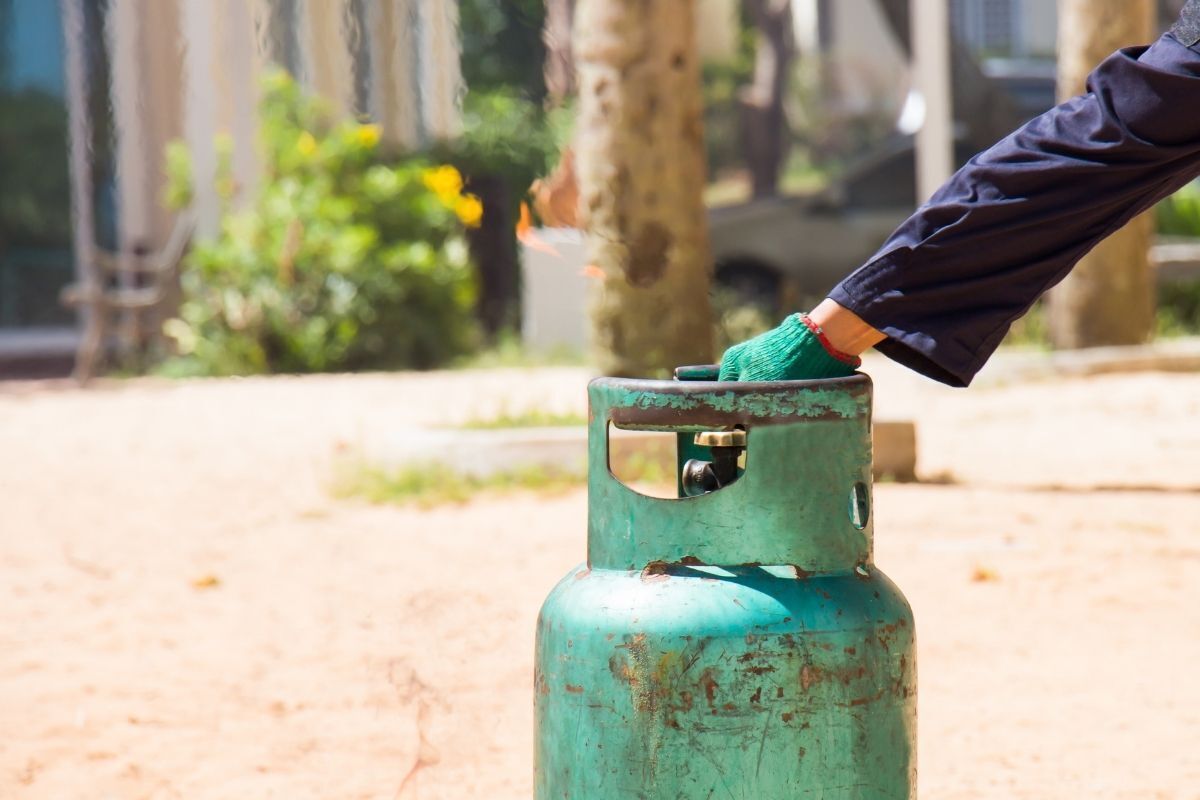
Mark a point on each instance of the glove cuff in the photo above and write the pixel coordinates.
(845, 358)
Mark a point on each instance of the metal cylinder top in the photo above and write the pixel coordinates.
(803, 499)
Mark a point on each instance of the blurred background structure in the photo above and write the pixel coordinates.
(97, 89)
(130, 122)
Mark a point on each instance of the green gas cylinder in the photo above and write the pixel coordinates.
(738, 641)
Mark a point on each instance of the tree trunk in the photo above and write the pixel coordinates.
(1108, 299)
(494, 252)
(764, 122)
(640, 158)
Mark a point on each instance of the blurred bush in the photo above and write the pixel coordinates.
(736, 320)
(508, 137)
(1179, 309)
(1179, 214)
(721, 82)
(345, 259)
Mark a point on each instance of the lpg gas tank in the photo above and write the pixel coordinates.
(736, 641)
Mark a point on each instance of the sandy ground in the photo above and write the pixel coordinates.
(185, 612)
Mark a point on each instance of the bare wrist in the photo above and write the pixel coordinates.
(845, 330)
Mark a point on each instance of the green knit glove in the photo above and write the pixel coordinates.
(795, 351)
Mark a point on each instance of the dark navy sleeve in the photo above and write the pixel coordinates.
(1011, 223)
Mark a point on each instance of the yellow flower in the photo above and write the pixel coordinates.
(367, 135)
(469, 210)
(445, 182)
(306, 145)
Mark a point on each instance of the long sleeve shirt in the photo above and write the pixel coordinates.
(946, 286)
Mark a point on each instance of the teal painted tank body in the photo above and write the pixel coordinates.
(740, 643)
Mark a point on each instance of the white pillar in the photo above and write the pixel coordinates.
(439, 68)
(221, 95)
(931, 79)
(394, 95)
(200, 109)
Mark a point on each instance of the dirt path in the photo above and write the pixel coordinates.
(185, 613)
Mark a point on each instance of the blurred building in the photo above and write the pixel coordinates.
(91, 91)
(1006, 28)
(866, 68)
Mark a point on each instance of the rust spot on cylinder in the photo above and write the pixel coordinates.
(862, 701)
(573, 689)
(710, 686)
(620, 669)
(655, 568)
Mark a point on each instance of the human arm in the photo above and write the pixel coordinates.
(945, 287)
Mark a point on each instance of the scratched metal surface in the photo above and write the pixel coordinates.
(679, 663)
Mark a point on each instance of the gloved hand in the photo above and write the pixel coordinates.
(796, 350)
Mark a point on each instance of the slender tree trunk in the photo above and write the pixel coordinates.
(764, 122)
(1109, 297)
(494, 251)
(640, 153)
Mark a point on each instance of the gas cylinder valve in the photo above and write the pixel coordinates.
(700, 476)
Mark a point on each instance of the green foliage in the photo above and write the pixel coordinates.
(181, 187)
(344, 260)
(737, 320)
(1179, 214)
(720, 85)
(529, 418)
(431, 485)
(1179, 308)
(508, 351)
(502, 46)
(1032, 330)
(506, 136)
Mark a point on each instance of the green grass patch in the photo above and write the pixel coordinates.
(434, 485)
(529, 418)
(508, 351)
